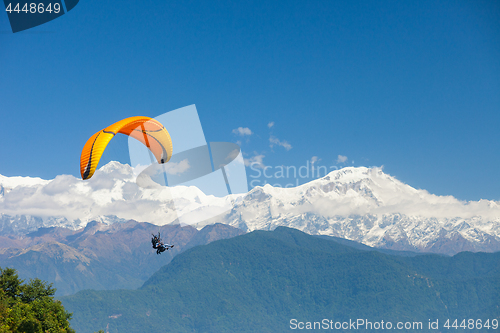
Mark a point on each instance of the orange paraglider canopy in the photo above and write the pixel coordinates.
(147, 130)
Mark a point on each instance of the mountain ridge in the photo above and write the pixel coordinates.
(259, 281)
(101, 256)
(356, 203)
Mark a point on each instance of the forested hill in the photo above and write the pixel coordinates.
(259, 281)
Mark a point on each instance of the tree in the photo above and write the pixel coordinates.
(10, 282)
(30, 308)
(36, 289)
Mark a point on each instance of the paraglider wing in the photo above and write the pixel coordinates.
(147, 130)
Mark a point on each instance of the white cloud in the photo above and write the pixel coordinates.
(112, 191)
(270, 124)
(315, 159)
(242, 131)
(341, 159)
(275, 141)
(256, 161)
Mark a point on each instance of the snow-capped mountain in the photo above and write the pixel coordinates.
(110, 196)
(361, 204)
(373, 208)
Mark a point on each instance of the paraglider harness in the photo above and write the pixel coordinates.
(158, 245)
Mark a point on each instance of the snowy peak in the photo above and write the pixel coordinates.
(116, 169)
(353, 174)
(13, 182)
(369, 206)
(370, 191)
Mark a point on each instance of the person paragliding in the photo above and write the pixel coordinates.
(146, 130)
(158, 245)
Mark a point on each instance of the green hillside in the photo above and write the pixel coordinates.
(259, 281)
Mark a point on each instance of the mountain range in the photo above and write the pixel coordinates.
(100, 256)
(356, 203)
(269, 281)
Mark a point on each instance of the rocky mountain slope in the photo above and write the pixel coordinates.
(100, 256)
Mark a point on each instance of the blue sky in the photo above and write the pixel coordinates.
(412, 86)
